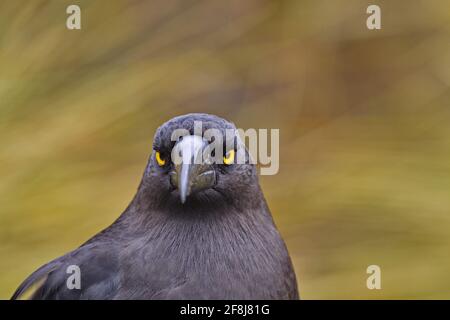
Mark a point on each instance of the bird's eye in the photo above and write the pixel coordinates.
(229, 158)
(160, 160)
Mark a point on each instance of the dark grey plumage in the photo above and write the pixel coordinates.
(220, 244)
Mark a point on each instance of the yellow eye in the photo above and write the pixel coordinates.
(160, 161)
(229, 157)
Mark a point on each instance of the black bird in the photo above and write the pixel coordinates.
(193, 231)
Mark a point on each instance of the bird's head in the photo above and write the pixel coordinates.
(199, 158)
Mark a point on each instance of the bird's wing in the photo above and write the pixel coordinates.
(98, 271)
(35, 280)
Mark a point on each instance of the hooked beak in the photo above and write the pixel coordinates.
(192, 172)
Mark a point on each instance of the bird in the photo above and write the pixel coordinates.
(193, 230)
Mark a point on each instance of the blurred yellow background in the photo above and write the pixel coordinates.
(363, 117)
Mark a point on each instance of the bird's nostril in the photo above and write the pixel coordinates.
(173, 178)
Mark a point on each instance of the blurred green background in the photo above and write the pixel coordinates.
(363, 117)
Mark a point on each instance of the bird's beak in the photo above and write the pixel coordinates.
(192, 172)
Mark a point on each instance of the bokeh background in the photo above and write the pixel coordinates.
(363, 117)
